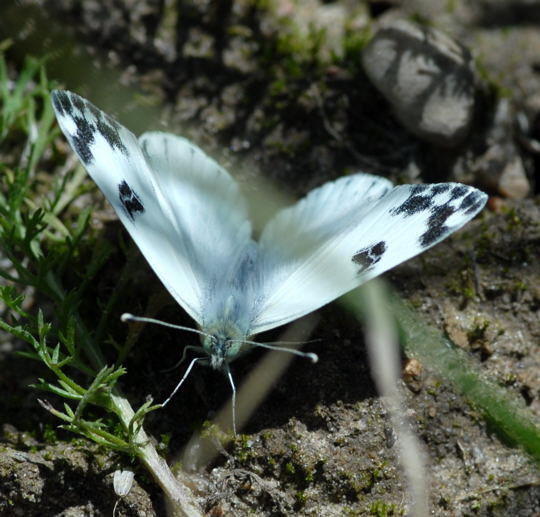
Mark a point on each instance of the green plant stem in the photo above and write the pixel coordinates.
(180, 495)
(182, 500)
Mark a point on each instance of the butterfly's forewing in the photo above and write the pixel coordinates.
(114, 159)
(347, 232)
(202, 199)
(210, 213)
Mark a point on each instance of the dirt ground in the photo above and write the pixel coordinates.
(262, 96)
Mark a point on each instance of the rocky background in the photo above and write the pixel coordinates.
(300, 93)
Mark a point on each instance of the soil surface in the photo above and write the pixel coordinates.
(269, 97)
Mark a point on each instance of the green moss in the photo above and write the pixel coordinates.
(478, 331)
(271, 461)
(165, 440)
(244, 451)
(310, 476)
(290, 468)
(354, 43)
(266, 435)
(353, 485)
(475, 505)
(377, 474)
(494, 82)
(520, 285)
(277, 87)
(382, 509)
(49, 434)
(177, 468)
(300, 498)
(462, 285)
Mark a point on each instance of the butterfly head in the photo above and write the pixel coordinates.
(222, 344)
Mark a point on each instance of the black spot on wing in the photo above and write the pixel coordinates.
(130, 200)
(378, 250)
(421, 197)
(436, 223)
(369, 256)
(471, 203)
(458, 191)
(88, 120)
(78, 102)
(440, 188)
(92, 109)
(414, 204)
(56, 98)
(109, 129)
(62, 103)
(83, 139)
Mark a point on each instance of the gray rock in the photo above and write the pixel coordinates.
(502, 167)
(427, 77)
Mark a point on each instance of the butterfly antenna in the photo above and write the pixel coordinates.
(231, 381)
(271, 346)
(290, 342)
(129, 317)
(181, 380)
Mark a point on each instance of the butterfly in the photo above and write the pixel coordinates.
(190, 221)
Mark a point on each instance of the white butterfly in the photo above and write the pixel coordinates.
(189, 220)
